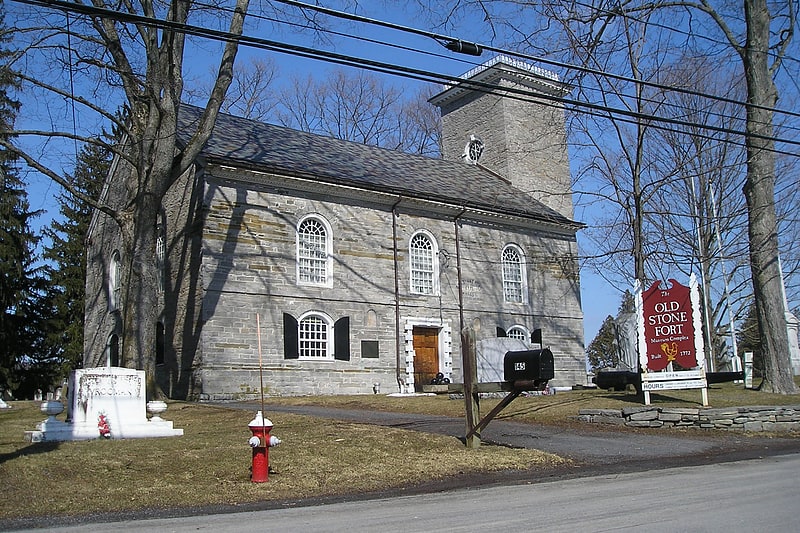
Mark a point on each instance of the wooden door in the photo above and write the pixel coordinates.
(426, 358)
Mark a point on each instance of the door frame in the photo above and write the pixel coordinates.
(445, 347)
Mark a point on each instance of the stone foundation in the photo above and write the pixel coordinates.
(753, 418)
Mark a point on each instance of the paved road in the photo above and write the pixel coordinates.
(754, 495)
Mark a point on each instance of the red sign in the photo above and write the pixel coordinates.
(668, 327)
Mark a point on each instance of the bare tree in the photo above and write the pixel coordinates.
(761, 56)
(362, 108)
(702, 211)
(137, 63)
(755, 35)
(251, 94)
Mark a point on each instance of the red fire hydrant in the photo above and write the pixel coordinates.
(261, 442)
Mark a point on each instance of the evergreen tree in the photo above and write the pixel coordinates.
(67, 256)
(602, 351)
(21, 283)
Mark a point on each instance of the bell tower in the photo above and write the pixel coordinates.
(514, 110)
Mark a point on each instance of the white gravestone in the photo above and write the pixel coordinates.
(107, 402)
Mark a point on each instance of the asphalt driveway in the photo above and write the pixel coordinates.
(591, 446)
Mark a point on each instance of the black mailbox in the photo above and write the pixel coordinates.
(529, 365)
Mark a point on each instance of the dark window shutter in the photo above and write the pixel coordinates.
(341, 339)
(501, 332)
(536, 336)
(290, 349)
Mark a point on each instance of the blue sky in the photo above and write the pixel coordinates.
(599, 298)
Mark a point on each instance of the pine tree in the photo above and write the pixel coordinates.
(67, 256)
(20, 280)
(602, 351)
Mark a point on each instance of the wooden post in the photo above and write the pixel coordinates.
(470, 365)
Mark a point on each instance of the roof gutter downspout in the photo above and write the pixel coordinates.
(458, 273)
(398, 346)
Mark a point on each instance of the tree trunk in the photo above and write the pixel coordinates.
(141, 313)
(759, 190)
(158, 125)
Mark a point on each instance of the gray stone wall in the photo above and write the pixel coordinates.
(750, 418)
(101, 321)
(248, 269)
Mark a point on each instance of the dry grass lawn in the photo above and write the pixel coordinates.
(210, 463)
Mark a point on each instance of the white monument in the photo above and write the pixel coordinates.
(104, 402)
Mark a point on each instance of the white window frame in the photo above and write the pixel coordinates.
(308, 341)
(114, 281)
(161, 259)
(519, 332)
(515, 278)
(324, 260)
(420, 273)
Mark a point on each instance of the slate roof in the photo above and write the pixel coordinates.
(236, 141)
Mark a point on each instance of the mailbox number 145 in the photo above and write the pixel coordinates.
(520, 365)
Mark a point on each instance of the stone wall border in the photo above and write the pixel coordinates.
(778, 418)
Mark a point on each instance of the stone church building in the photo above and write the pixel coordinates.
(361, 265)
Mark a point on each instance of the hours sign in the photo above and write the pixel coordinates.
(668, 326)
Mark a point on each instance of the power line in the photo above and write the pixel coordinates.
(451, 41)
(388, 68)
(625, 14)
(537, 59)
(456, 45)
(447, 39)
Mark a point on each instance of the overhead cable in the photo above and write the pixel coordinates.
(444, 38)
(388, 68)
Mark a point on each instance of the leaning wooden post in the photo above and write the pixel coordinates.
(470, 366)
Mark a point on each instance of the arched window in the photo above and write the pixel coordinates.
(314, 258)
(314, 337)
(114, 281)
(517, 332)
(112, 350)
(423, 255)
(514, 280)
(161, 258)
